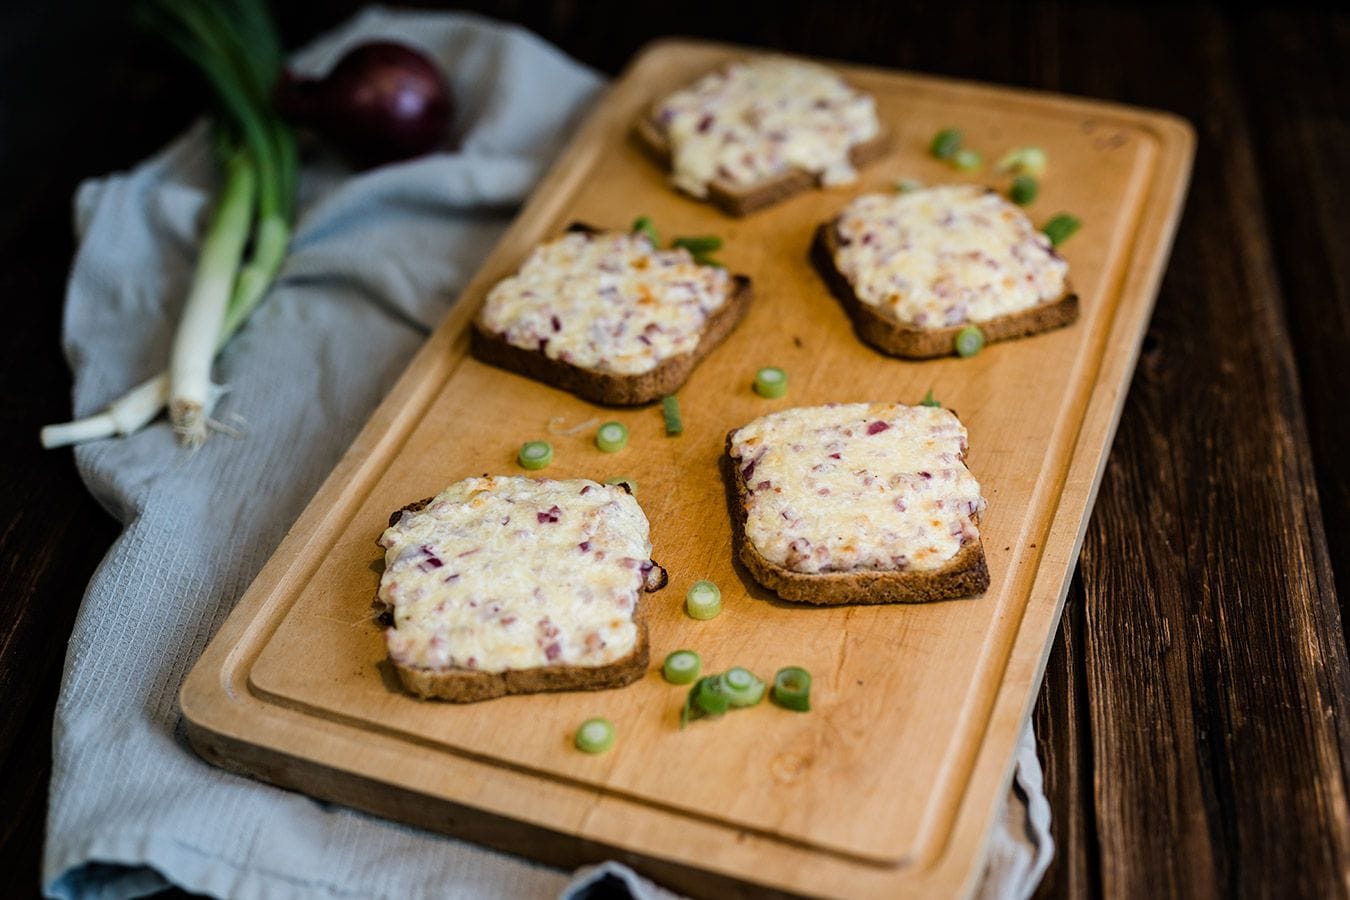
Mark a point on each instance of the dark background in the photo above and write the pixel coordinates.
(1196, 707)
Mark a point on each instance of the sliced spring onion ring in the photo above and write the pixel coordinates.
(967, 160)
(644, 225)
(670, 410)
(535, 454)
(629, 483)
(709, 696)
(771, 382)
(930, 400)
(792, 689)
(612, 437)
(742, 687)
(1024, 190)
(1028, 160)
(595, 735)
(681, 667)
(946, 143)
(969, 340)
(703, 600)
(555, 426)
(1061, 228)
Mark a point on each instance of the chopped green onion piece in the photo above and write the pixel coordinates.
(969, 340)
(709, 696)
(644, 225)
(535, 454)
(628, 483)
(670, 410)
(742, 687)
(946, 143)
(1061, 228)
(792, 689)
(699, 245)
(703, 601)
(612, 437)
(930, 400)
(1028, 160)
(1024, 190)
(595, 736)
(908, 185)
(771, 382)
(967, 160)
(681, 667)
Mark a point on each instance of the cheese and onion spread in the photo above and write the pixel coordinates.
(859, 486)
(944, 256)
(509, 572)
(754, 120)
(610, 302)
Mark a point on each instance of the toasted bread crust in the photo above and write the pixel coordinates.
(897, 339)
(469, 686)
(740, 201)
(610, 388)
(964, 575)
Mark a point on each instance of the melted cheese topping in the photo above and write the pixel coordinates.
(754, 120)
(511, 572)
(946, 255)
(848, 487)
(608, 301)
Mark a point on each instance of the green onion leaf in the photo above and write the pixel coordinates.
(1061, 228)
(967, 160)
(703, 600)
(771, 382)
(595, 736)
(742, 687)
(946, 143)
(700, 245)
(930, 400)
(969, 341)
(629, 484)
(670, 411)
(644, 225)
(681, 667)
(1024, 190)
(535, 454)
(612, 437)
(705, 698)
(792, 689)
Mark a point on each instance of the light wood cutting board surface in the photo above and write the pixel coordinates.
(889, 784)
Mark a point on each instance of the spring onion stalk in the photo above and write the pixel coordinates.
(681, 667)
(1024, 190)
(967, 160)
(969, 341)
(611, 437)
(706, 698)
(1061, 227)
(203, 314)
(930, 400)
(535, 455)
(644, 225)
(1026, 160)
(771, 382)
(946, 143)
(670, 411)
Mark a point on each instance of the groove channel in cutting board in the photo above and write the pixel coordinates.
(902, 761)
(897, 695)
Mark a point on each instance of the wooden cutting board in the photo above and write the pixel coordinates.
(889, 786)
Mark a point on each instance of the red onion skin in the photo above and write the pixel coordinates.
(383, 102)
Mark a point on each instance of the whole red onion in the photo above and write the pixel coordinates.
(381, 103)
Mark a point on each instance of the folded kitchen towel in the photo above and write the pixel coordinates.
(377, 259)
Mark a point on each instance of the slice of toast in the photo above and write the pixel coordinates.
(469, 613)
(758, 457)
(611, 388)
(896, 338)
(736, 200)
(740, 199)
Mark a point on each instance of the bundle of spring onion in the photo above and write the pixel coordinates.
(235, 47)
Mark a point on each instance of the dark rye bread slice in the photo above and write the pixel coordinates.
(964, 575)
(610, 388)
(458, 685)
(897, 339)
(741, 200)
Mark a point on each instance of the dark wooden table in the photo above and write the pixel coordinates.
(1195, 718)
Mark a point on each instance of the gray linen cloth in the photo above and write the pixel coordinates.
(377, 259)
